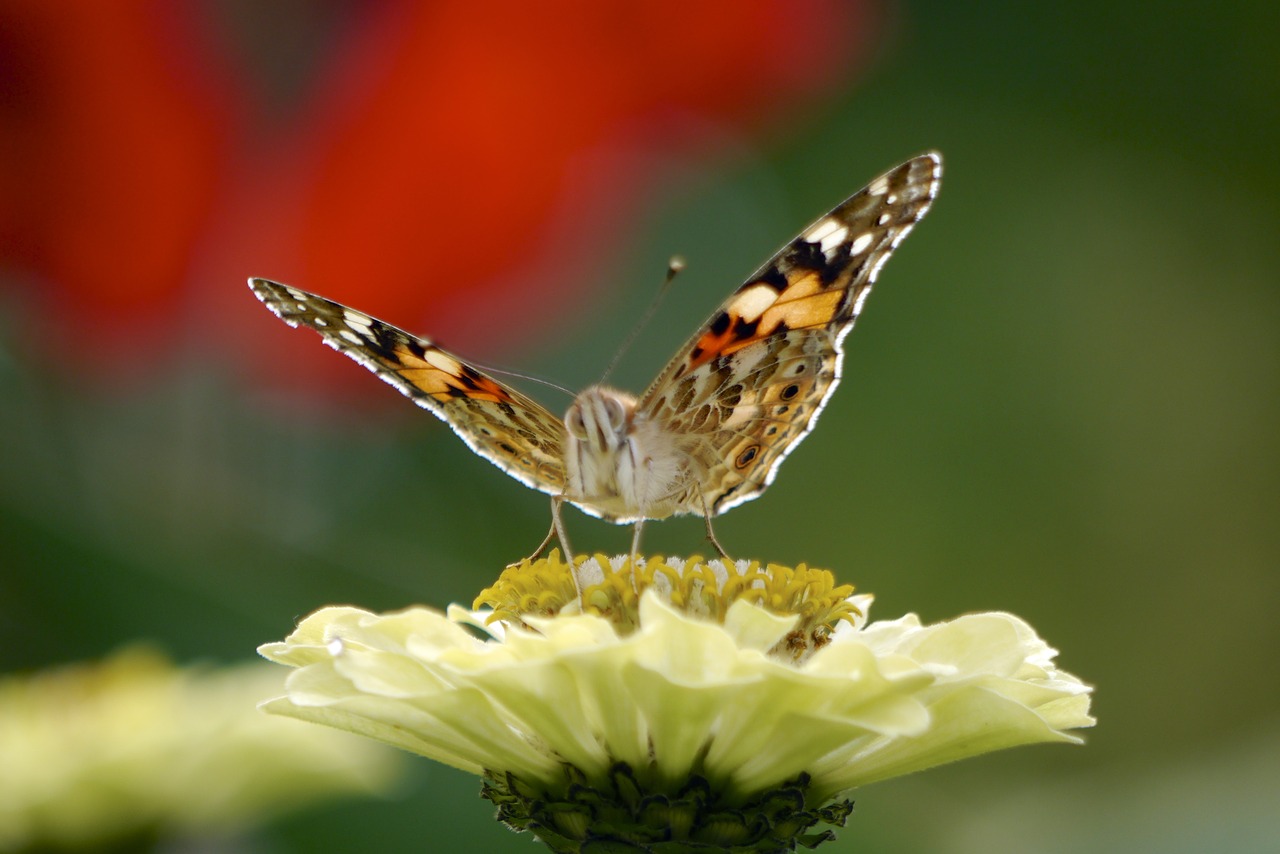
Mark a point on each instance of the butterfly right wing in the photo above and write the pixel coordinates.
(509, 429)
(751, 383)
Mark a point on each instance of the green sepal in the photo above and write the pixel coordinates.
(621, 816)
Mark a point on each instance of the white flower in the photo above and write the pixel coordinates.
(96, 753)
(734, 693)
(994, 685)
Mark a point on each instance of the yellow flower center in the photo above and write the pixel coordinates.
(611, 589)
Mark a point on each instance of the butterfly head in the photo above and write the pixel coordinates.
(599, 419)
(619, 465)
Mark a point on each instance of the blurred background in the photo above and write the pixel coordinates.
(1062, 400)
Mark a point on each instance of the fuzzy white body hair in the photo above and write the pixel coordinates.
(620, 465)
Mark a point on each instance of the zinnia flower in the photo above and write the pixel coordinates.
(133, 748)
(685, 703)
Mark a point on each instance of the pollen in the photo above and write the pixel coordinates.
(611, 588)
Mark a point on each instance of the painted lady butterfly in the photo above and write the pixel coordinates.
(712, 429)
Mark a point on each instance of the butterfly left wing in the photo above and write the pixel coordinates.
(750, 385)
(511, 430)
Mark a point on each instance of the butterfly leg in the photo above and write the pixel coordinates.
(711, 534)
(542, 547)
(635, 547)
(557, 525)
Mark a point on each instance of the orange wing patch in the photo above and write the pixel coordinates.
(436, 373)
(758, 311)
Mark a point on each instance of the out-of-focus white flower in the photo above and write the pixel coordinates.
(134, 746)
(748, 680)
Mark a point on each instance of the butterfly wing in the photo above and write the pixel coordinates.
(512, 431)
(752, 381)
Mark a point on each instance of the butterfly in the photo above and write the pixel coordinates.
(711, 431)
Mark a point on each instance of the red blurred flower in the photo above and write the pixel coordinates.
(454, 167)
(114, 135)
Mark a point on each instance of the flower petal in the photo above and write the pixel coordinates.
(674, 695)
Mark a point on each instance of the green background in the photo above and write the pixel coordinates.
(1061, 401)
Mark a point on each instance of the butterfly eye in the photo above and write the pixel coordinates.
(573, 421)
(616, 414)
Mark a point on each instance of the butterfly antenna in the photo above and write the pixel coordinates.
(530, 377)
(674, 266)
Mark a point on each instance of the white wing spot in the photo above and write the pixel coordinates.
(822, 230)
(878, 187)
(359, 322)
(351, 336)
(834, 239)
(300, 296)
(753, 302)
(891, 199)
(439, 360)
(882, 219)
(861, 243)
(320, 321)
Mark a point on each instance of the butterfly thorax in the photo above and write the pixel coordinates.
(620, 464)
